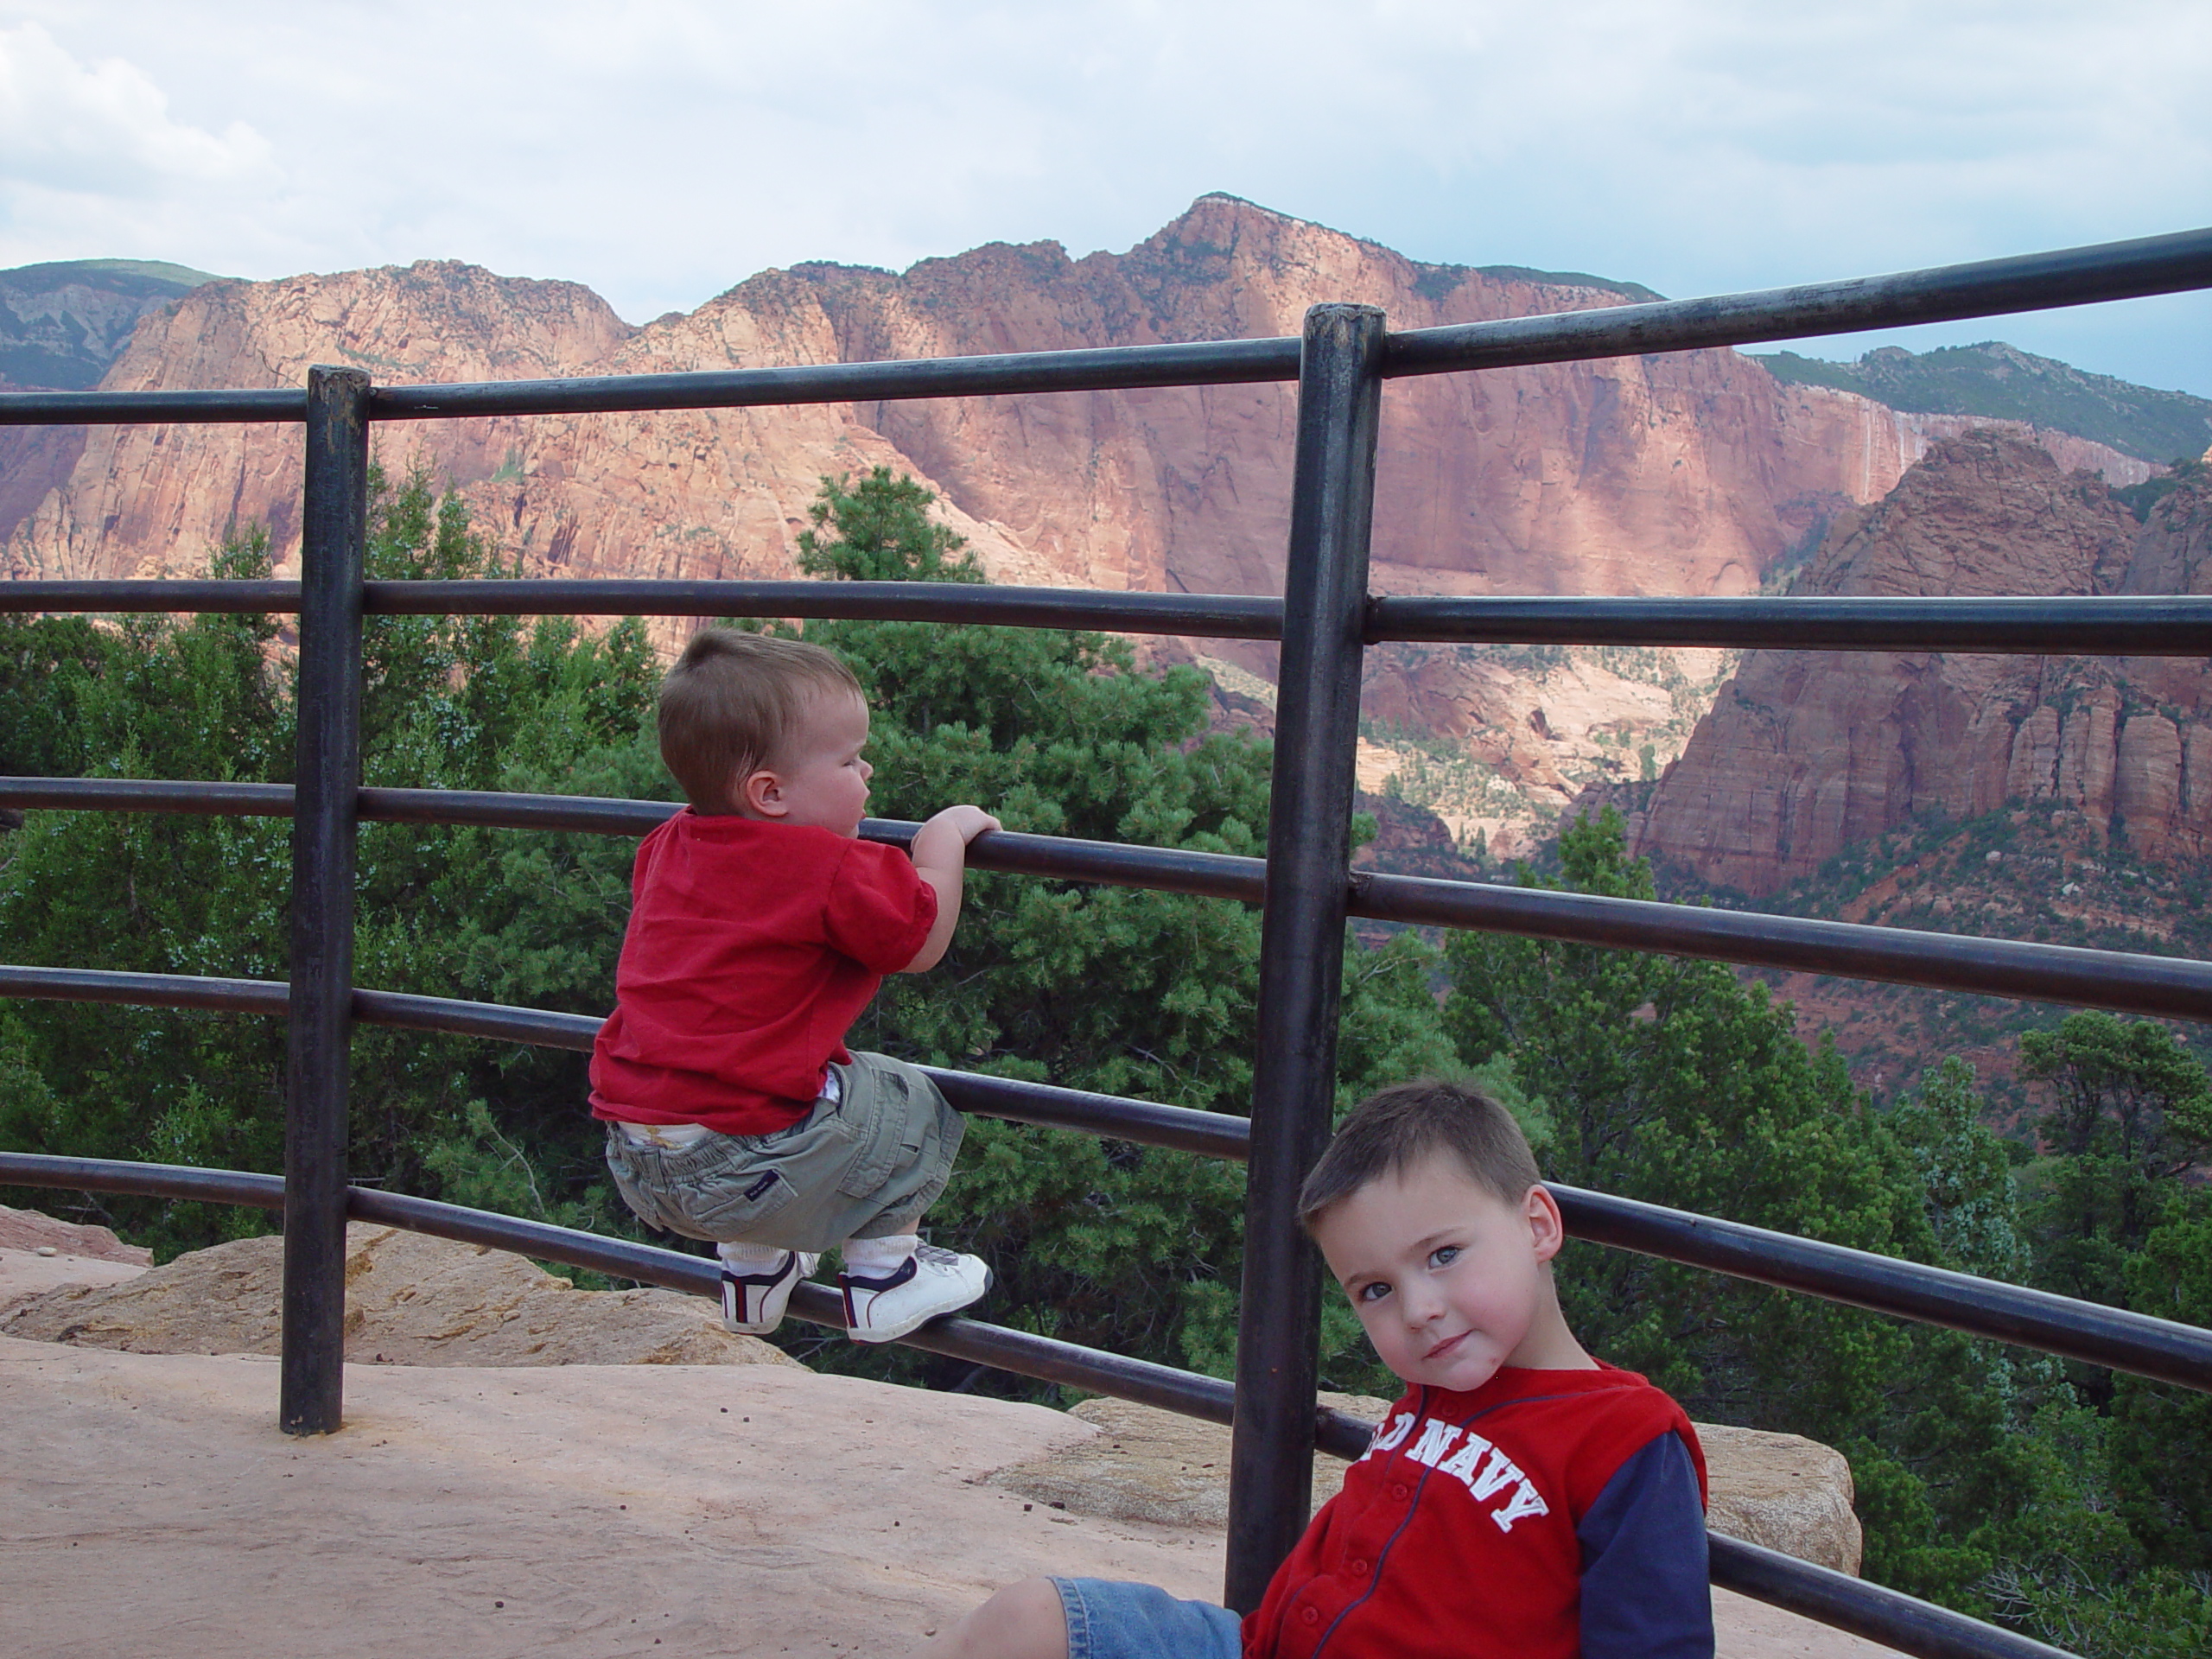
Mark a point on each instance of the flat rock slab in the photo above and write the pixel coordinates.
(153, 1508)
(36, 1231)
(410, 1299)
(1782, 1490)
(41, 1253)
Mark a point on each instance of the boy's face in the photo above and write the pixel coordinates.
(1449, 1280)
(820, 779)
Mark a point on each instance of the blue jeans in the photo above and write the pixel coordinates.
(1110, 1619)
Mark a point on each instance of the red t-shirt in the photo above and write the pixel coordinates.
(753, 947)
(1455, 1536)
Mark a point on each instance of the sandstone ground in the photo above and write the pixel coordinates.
(152, 1507)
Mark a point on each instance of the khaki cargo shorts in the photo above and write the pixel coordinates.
(865, 1165)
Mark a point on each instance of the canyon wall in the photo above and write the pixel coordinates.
(1692, 472)
(1805, 752)
(1689, 474)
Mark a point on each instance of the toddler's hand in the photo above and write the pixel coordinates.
(966, 822)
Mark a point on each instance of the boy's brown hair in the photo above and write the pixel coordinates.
(732, 703)
(1391, 1130)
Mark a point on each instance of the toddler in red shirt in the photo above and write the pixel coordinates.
(761, 926)
(1521, 1501)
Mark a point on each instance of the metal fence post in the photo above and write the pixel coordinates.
(327, 778)
(1302, 933)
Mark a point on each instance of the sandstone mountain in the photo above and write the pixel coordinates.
(1804, 754)
(1683, 474)
(1695, 472)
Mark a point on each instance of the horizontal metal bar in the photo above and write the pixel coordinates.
(2143, 625)
(149, 795)
(1116, 863)
(144, 408)
(1047, 1359)
(1112, 863)
(1117, 1118)
(1146, 1122)
(2165, 987)
(1229, 362)
(2086, 1331)
(492, 809)
(2149, 626)
(145, 1181)
(539, 1027)
(1021, 1352)
(134, 597)
(2033, 282)
(1221, 616)
(483, 808)
(2163, 1349)
(1889, 1617)
(1109, 368)
(264, 996)
(1228, 616)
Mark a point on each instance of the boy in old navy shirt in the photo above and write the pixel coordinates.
(759, 927)
(1522, 1500)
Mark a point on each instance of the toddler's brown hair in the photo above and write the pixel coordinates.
(732, 703)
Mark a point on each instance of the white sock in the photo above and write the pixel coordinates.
(878, 1258)
(750, 1258)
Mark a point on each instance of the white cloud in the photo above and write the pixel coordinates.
(105, 128)
(663, 149)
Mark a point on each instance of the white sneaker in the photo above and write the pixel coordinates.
(753, 1303)
(929, 1282)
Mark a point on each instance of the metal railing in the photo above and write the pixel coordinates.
(1304, 885)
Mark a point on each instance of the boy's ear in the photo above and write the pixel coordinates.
(1546, 1227)
(760, 795)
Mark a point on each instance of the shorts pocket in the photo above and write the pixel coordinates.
(886, 1104)
(729, 1205)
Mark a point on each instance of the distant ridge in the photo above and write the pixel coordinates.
(59, 270)
(2004, 383)
(62, 322)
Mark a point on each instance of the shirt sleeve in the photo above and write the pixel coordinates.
(1645, 1588)
(879, 909)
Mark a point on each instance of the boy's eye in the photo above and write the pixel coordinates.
(1371, 1292)
(1443, 1255)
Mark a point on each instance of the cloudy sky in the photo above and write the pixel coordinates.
(661, 150)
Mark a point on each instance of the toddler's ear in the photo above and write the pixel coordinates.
(760, 795)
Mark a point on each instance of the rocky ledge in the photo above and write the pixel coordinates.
(556, 1507)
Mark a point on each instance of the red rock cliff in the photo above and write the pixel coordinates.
(1804, 754)
(1683, 474)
